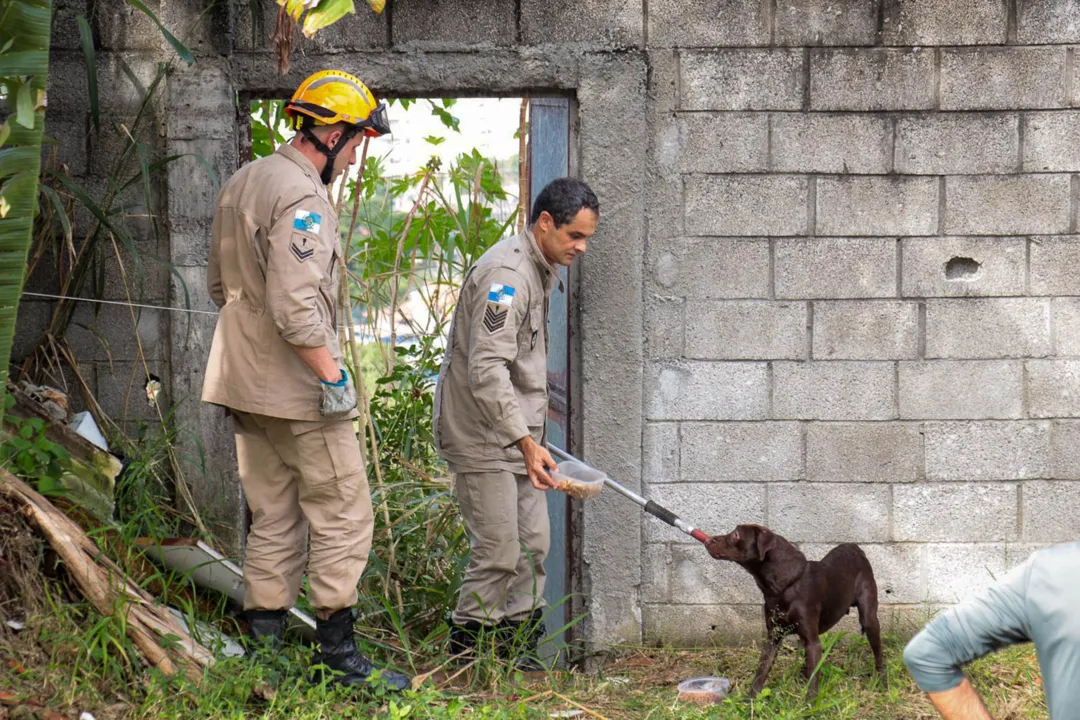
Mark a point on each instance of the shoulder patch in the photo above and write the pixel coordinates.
(501, 294)
(495, 317)
(307, 221)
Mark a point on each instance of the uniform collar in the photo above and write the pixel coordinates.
(287, 150)
(548, 272)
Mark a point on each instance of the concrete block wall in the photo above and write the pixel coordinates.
(105, 338)
(833, 289)
(860, 327)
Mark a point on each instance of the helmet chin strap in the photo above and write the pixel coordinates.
(330, 153)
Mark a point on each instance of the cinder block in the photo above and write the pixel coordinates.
(713, 507)
(660, 453)
(1006, 78)
(964, 266)
(1047, 21)
(898, 569)
(1053, 388)
(741, 452)
(741, 79)
(829, 512)
(708, 23)
(121, 390)
(446, 25)
(987, 450)
(830, 390)
(745, 330)
(866, 330)
(679, 573)
(871, 79)
(955, 512)
(960, 22)
(108, 333)
(1053, 265)
(1066, 313)
(31, 323)
(863, 452)
(123, 93)
(67, 86)
(857, 267)
(664, 329)
(611, 24)
(724, 142)
(360, 31)
(957, 144)
(65, 26)
(698, 390)
(202, 89)
(958, 572)
(1050, 141)
(1050, 512)
(738, 205)
(192, 193)
(1007, 205)
(825, 143)
(987, 328)
(1064, 449)
(694, 625)
(121, 26)
(800, 23)
(65, 142)
(704, 268)
(189, 240)
(877, 206)
(961, 390)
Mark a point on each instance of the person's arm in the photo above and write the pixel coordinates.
(213, 267)
(498, 308)
(960, 703)
(992, 620)
(296, 260)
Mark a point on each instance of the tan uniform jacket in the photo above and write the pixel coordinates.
(273, 271)
(492, 388)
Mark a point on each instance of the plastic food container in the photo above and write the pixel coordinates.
(578, 480)
(704, 690)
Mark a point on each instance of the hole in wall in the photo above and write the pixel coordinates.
(962, 269)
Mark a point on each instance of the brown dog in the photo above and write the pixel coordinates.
(802, 597)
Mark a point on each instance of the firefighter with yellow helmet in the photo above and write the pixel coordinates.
(276, 366)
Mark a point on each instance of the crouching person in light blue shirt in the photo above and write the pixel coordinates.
(1039, 602)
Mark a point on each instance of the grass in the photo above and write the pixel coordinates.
(69, 661)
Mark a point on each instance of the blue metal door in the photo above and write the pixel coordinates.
(549, 159)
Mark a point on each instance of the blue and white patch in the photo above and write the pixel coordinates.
(307, 221)
(501, 294)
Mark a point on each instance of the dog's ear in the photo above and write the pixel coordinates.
(766, 541)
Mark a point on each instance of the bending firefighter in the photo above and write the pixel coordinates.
(276, 365)
(491, 406)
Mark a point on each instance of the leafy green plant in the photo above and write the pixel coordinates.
(28, 453)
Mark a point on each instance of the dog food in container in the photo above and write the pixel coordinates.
(578, 480)
(704, 690)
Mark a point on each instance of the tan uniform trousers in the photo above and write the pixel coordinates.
(509, 537)
(300, 476)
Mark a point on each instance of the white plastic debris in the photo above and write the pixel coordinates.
(87, 716)
(84, 425)
(566, 714)
(15, 625)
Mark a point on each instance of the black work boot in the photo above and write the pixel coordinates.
(338, 653)
(266, 628)
(520, 641)
(470, 640)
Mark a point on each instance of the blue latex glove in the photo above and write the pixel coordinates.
(337, 397)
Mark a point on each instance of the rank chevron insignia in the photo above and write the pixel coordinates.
(301, 255)
(494, 319)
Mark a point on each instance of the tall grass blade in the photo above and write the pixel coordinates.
(90, 58)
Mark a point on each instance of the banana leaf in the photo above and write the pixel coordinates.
(24, 63)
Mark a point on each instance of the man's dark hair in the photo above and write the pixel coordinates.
(563, 199)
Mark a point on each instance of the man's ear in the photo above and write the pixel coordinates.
(766, 541)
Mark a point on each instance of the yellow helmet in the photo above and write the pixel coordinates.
(332, 96)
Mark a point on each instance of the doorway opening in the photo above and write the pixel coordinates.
(420, 206)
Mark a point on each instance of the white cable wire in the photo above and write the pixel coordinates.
(118, 302)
